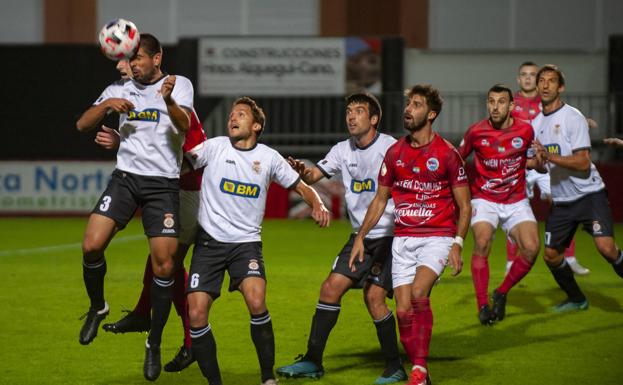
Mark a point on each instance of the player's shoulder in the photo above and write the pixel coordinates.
(570, 112)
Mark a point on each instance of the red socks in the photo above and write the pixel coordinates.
(480, 277)
(416, 327)
(520, 268)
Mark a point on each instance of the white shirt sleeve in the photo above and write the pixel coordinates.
(183, 92)
(199, 155)
(331, 164)
(576, 132)
(282, 173)
(112, 91)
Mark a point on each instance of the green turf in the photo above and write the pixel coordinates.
(42, 297)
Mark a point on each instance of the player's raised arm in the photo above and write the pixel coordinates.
(180, 116)
(319, 212)
(374, 213)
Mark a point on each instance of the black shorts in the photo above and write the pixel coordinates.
(211, 258)
(376, 267)
(592, 211)
(158, 198)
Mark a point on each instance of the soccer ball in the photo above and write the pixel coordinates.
(119, 39)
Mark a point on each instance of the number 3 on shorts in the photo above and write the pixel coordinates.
(105, 203)
(194, 280)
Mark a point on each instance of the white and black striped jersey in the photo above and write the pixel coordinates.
(150, 143)
(360, 170)
(564, 132)
(235, 185)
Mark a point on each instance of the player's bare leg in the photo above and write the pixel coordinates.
(162, 250)
(483, 237)
(203, 344)
(385, 323)
(610, 251)
(576, 300)
(253, 290)
(97, 236)
(526, 237)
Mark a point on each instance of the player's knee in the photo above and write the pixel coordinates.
(329, 292)
(481, 246)
(530, 251)
(198, 315)
(92, 250)
(418, 291)
(552, 257)
(163, 268)
(256, 304)
(375, 301)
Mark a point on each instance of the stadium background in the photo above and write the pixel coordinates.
(53, 71)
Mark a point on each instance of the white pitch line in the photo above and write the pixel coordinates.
(67, 246)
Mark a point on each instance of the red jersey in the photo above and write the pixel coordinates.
(500, 159)
(191, 181)
(526, 108)
(421, 180)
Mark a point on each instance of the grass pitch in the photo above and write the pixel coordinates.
(42, 296)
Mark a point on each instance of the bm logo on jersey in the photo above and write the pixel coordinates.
(359, 186)
(553, 148)
(147, 115)
(241, 189)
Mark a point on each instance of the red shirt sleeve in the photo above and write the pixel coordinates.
(456, 171)
(195, 134)
(386, 173)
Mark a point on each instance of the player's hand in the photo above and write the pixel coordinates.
(119, 105)
(454, 259)
(540, 150)
(321, 215)
(299, 166)
(107, 138)
(356, 253)
(614, 142)
(167, 89)
(591, 123)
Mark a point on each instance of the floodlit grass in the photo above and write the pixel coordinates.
(42, 296)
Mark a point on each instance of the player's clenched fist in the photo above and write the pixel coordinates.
(167, 89)
(119, 105)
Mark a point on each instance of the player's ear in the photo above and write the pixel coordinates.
(257, 128)
(432, 115)
(158, 59)
(374, 120)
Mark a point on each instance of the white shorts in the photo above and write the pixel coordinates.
(189, 210)
(542, 180)
(409, 253)
(506, 215)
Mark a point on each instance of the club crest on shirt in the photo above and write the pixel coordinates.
(432, 164)
(557, 129)
(168, 222)
(484, 142)
(517, 142)
(256, 166)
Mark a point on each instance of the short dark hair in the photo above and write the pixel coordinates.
(258, 113)
(150, 44)
(527, 63)
(374, 106)
(433, 99)
(551, 68)
(498, 88)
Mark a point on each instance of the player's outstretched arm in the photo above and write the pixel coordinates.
(180, 117)
(321, 215)
(310, 175)
(91, 117)
(374, 213)
(108, 138)
(462, 198)
(614, 142)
